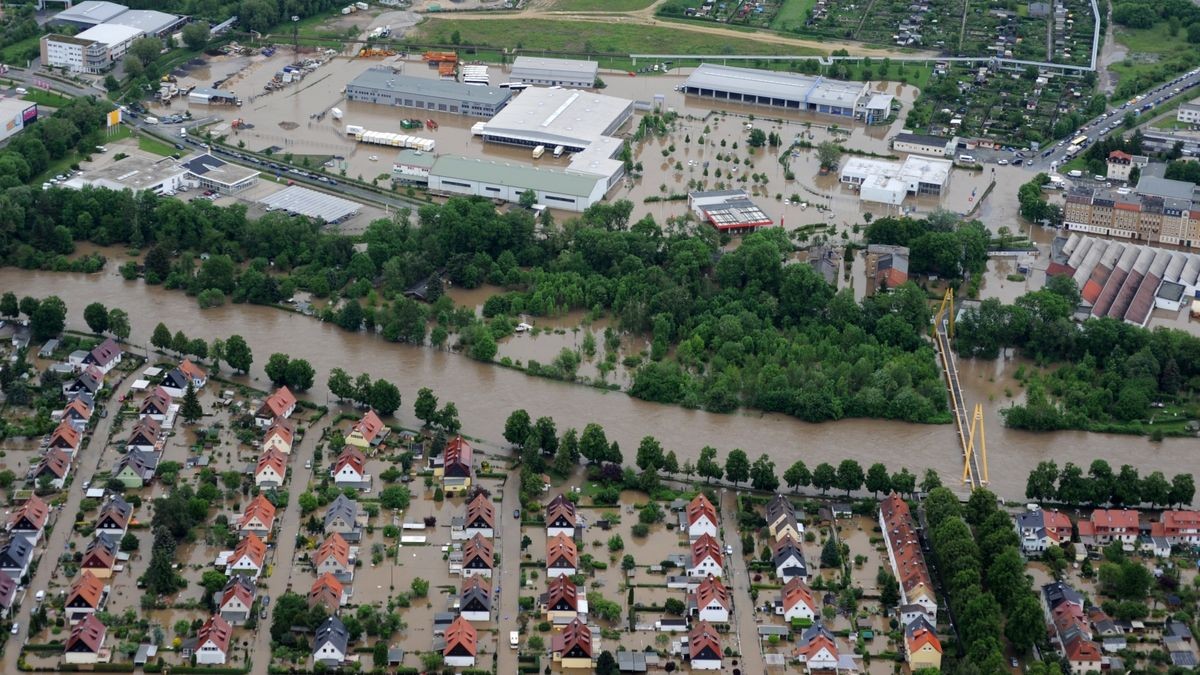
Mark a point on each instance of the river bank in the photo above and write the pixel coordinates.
(486, 395)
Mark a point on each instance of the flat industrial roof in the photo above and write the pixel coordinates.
(922, 169)
(91, 12)
(385, 79)
(306, 202)
(210, 92)
(218, 170)
(922, 139)
(1165, 187)
(14, 106)
(110, 33)
(774, 84)
(558, 116)
(416, 158)
(515, 175)
(541, 64)
(149, 21)
(135, 172)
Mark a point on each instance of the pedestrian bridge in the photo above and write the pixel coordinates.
(971, 436)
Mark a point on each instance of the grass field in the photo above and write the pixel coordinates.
(586, 37)
(792, 14)
(1154, 55)
(155, 146)
(15, 53)
(47, 98)
(600, 5)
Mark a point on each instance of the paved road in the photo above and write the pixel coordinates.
(508, 585)
(284, 575)
(84, 468)
(738, 582)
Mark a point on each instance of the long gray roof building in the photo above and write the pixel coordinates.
(386, 87)
(778, 89)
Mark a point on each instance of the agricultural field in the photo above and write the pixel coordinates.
(583, 37)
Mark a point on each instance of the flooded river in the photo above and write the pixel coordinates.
(485, 395)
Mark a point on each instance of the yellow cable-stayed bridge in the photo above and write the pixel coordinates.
(971, 435)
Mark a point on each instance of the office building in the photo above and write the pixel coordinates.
(1189, 113)
(890, 182)
(75, 54)
(210, 173)
(920, 144)
(1158, 210)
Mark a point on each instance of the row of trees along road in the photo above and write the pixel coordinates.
(1101, 486)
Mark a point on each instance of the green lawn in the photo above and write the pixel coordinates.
(600, 5)
(1154, 55)
(48, 98)
(792, 14)
(15, 53)
(155, 146)
(583, 37)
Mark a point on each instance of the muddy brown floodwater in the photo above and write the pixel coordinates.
(485, 395)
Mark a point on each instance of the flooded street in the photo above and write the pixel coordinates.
(485, 395)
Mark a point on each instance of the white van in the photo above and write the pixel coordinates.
(558, 151)
(1075, 174)
(514, 639)
(966, 159)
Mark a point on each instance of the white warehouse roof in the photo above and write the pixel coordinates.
(110, 34)
(552, 116)
(306, 202)
(91, 12)
(149, 21)
(780, 85)
(533, 66)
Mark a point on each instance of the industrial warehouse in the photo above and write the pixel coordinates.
(386, 87)
(556, 188)
(555, 72)
(890, 182)
(553, 117)
(788, 90)
(1125, 281)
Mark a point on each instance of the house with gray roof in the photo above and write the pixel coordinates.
(342, 517)
(332, 642)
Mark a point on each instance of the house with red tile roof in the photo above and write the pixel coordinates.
(562, 556)
(1039, 529)
(461, 644)
(456, 466)
(86, 596)
(56, 464)
(561, 517)
(29, 519)
(477, 557)
(280, 436)
(212, 642)
(701, 517)
(710, 601)
(195, 374)
(157, 405)
(704, 647)
(258, 517)
(480, 518)
(905, 555)
(922, 649)
(572, 646)
(248, 558)
(146, 436)
(327, 592)
(280, 404)
(563, 601)
(86, 641)
(350, 468)
(818, 650)
(237, 599)
(1108, 525)
(796, 601)
(100, 556)
(65, 437)
(706, 557)
(367, 432)
(1181, 528)
(77, 413)
(333, 556)
(271, 469)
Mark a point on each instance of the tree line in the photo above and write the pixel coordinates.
(381, 395)
(939, 244)
(977, 555)
(47, 317)
(1102, 486)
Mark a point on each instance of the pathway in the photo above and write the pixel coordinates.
(283, 565)
(738, 581)
(508, 585)
(84, 468)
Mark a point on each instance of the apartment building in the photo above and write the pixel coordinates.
(1157, 210)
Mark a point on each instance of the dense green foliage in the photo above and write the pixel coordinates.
(1111, 371)
(1184, 170)
(1101, 486)
(939, 245)
(1034, 206)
